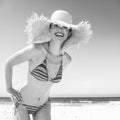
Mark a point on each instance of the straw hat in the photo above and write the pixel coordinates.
(38, 28)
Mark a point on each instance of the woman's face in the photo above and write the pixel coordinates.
(59, 32)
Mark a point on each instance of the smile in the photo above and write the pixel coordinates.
(59, 34)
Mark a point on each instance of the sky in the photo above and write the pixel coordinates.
(95, 66)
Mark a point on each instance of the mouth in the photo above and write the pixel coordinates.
(59, 34)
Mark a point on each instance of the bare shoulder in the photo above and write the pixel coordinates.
(22, 55)
(26, 52)
(67, 57)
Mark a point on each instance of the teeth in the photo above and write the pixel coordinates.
(59, 34)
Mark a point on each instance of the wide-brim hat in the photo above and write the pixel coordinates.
(38, 28)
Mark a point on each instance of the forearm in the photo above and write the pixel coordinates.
(8, 76)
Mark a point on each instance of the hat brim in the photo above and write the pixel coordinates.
(62, 23)
(81, 33)
(38, 30)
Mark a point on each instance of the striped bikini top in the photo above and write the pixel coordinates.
(41, 73)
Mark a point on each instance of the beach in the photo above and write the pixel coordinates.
(73, 111)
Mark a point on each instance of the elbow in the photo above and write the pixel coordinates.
(8, 64)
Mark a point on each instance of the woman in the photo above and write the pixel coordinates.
(49, 39)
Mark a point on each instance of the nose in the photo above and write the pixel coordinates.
(60, 29)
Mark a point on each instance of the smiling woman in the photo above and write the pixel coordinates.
(47, 59)
(60, 31)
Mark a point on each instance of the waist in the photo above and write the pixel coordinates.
(34, 96)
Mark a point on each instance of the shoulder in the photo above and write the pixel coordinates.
(66, 59)
(34, 49)
(21, 55)
(67, 56)
(26, 51)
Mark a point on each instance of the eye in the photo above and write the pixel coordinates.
(65, 27)
(55, 25)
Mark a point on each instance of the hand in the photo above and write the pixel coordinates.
(15, 94)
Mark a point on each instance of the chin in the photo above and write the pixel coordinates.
(60, 39)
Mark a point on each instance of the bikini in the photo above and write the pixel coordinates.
(40, 72)
(30, 109)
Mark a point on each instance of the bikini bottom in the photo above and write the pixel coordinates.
(30, 109)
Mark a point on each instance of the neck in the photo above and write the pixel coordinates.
(55, 47)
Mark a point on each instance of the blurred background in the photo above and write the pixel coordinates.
(95, 67)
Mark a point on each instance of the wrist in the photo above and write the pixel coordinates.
(9, 89)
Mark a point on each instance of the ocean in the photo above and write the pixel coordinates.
(82, 110)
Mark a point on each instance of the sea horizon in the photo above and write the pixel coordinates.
(73, 99)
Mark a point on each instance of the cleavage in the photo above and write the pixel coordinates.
(52, 69)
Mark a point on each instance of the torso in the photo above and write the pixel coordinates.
(36, 92)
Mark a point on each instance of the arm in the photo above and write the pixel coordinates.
(17, 58)
(66, 59)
